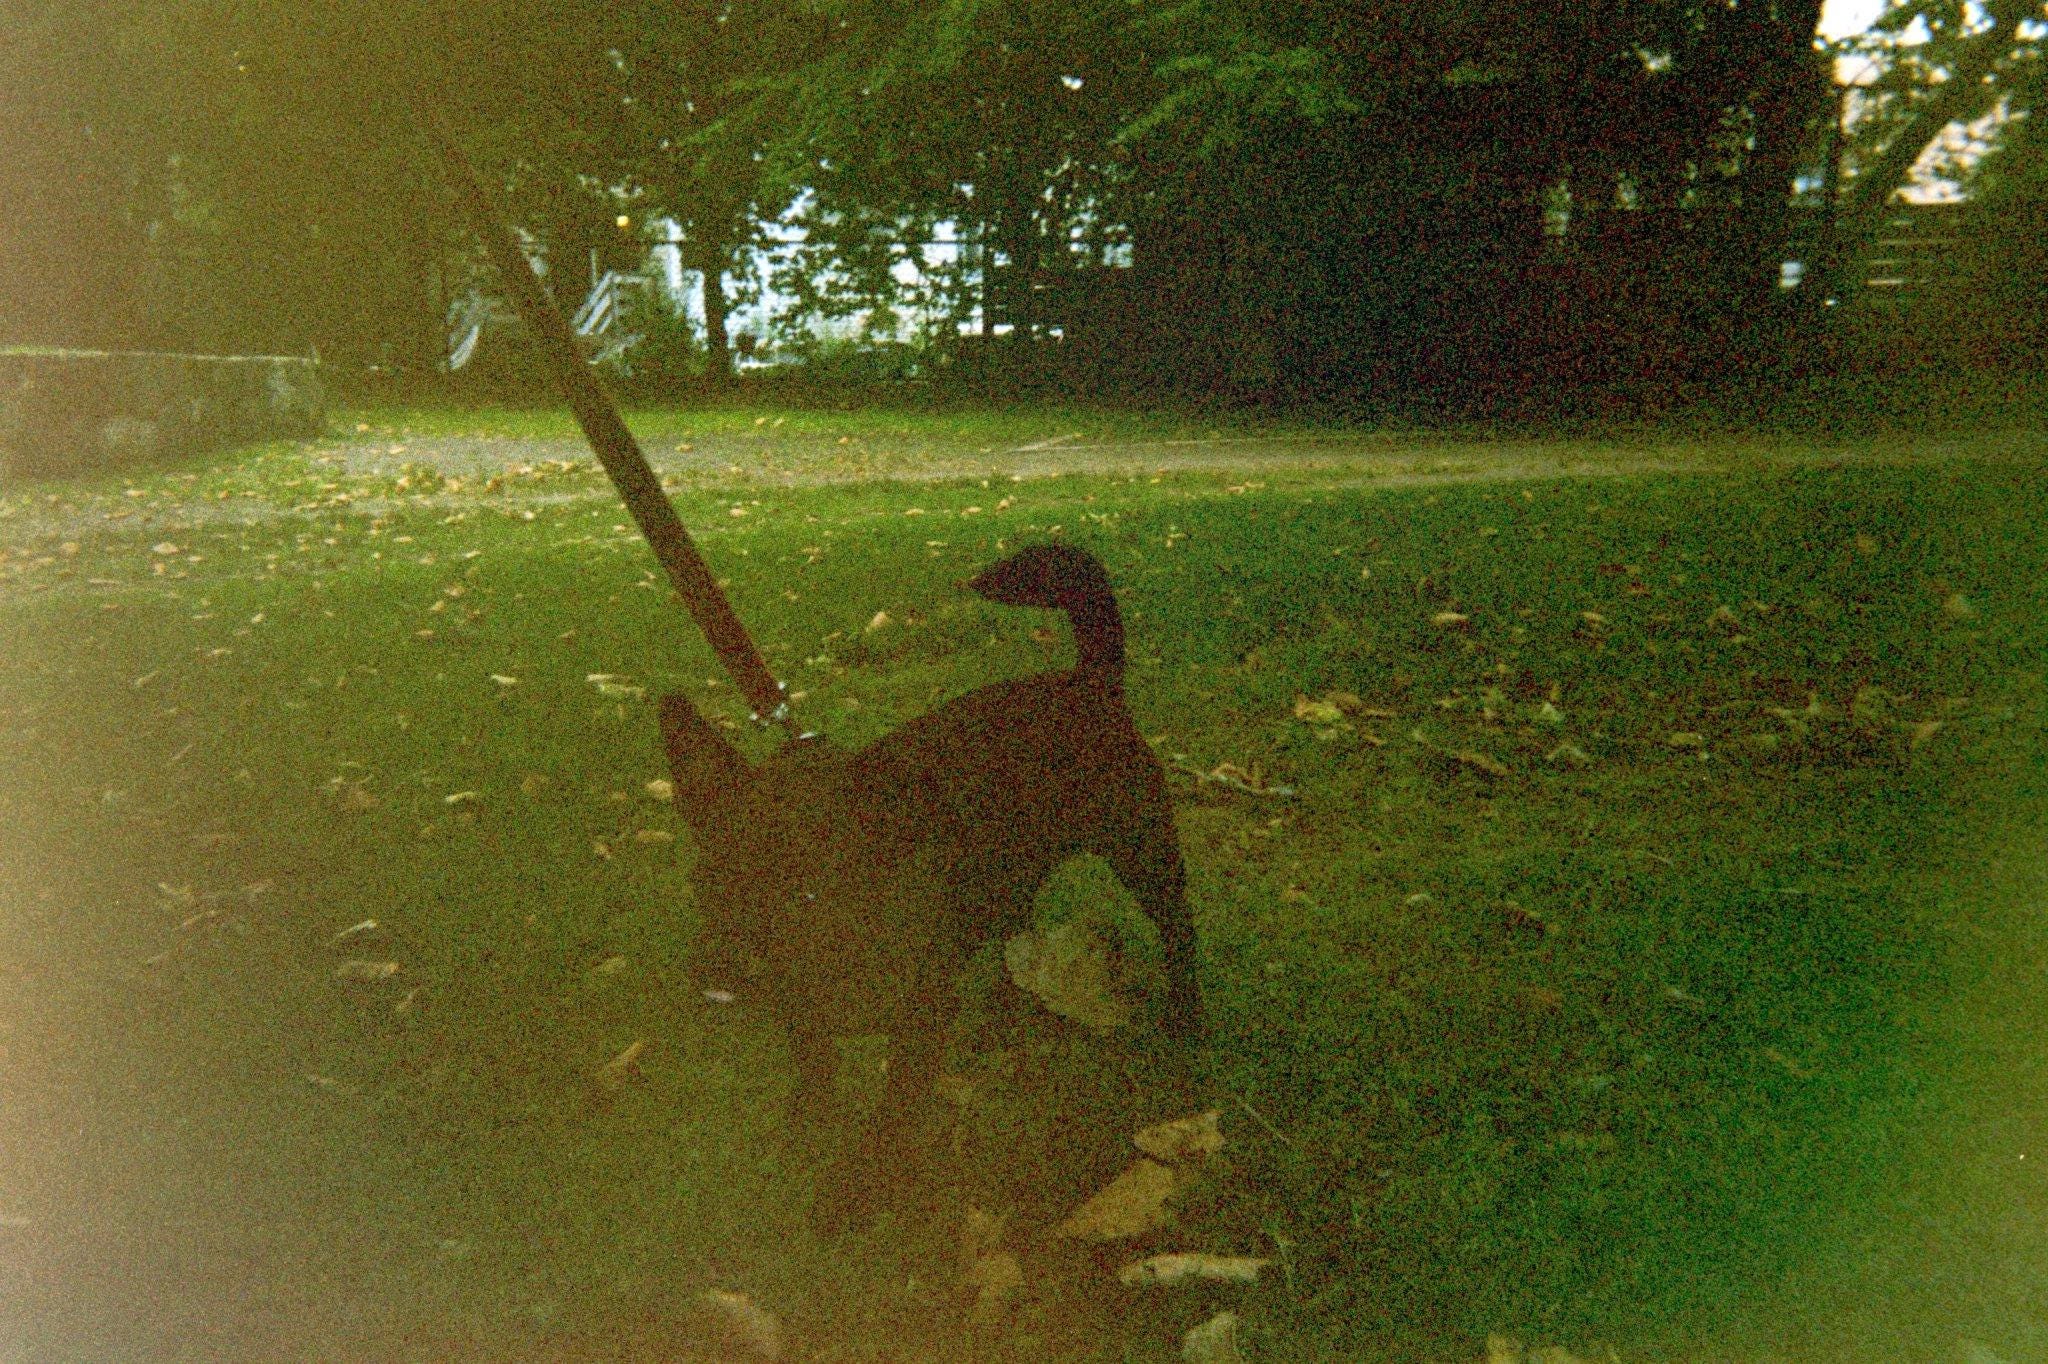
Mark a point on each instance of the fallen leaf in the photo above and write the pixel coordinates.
(502, 680)
(623, 1067)
(1316, 712)
(1182, 1139)
(1213, 1342)
(1685, 739)
(1167, 1270)
(355, 931)
(1067, 967)
(879, 621)
(661, 788)
(1131, 1204)
(748, 1326)
(1481, 763)
(461, 797)
(1450, 620)
(360, 972)
(653, 836)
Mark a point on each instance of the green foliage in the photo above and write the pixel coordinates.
(1486, 204)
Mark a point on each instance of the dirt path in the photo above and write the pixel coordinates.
(357, 473)
(1396, 460)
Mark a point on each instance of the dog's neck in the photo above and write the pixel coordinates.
(1099, 640)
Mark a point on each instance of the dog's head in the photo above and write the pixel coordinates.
(1047, 575)
(801, 882)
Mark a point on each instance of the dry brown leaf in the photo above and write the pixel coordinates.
(1196, 1267)
(363, 972)
(1067, 967)
(1479, 762)
(748, 1325)
(1450, 620)
(1130, 1205)
(1316, 712)
(1213, 1342)
(881, 620)
(623, 1067)
(661, 788)
(1182, 1139)
(1685, 739)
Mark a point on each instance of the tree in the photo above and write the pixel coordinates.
(1967, 65)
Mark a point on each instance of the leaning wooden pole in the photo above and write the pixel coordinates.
(616, 449)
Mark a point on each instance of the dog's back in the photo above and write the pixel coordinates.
(1015, 778)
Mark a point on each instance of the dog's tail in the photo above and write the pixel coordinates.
(1070, 580)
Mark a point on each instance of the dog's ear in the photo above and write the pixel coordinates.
(707, 771)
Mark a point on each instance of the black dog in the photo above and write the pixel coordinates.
(846, 891)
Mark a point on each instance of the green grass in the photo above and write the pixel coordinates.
(1592, 1052)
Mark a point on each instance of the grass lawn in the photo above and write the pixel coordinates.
(1620, 924)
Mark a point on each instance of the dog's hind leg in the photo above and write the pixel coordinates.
(1144, 852)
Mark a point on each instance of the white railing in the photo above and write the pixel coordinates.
(601, 308)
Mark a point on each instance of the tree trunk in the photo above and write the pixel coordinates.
(711, 260)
